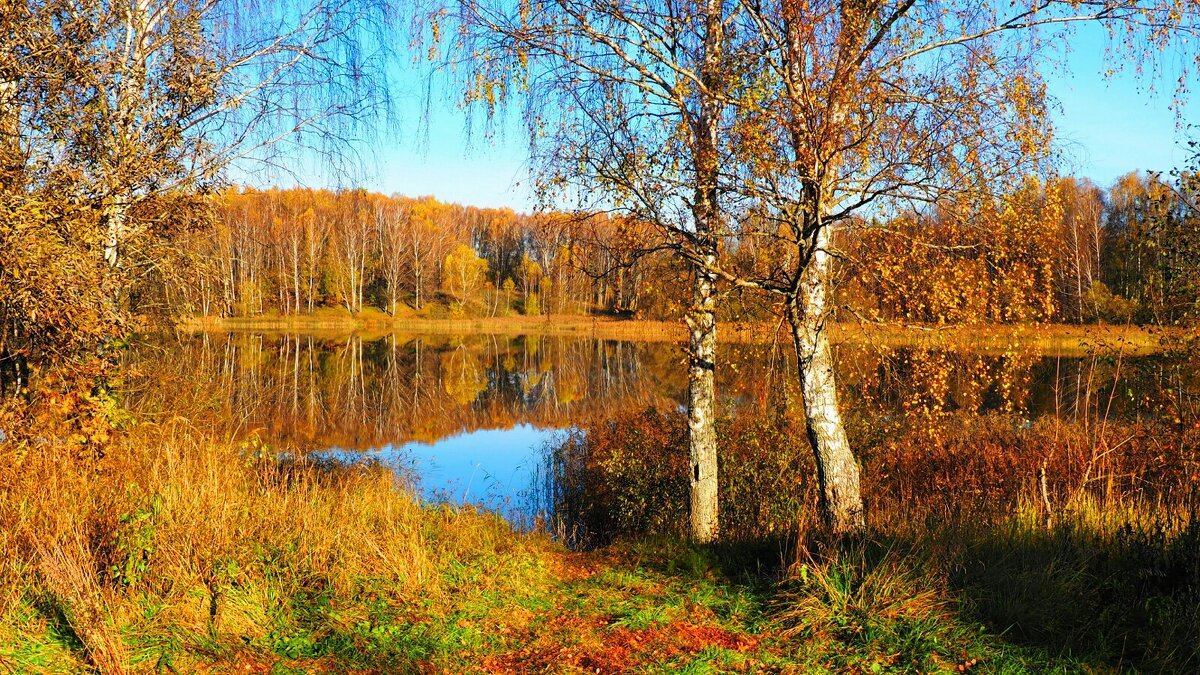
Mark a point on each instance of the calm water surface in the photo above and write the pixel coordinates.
(467, 419)
(498, 469)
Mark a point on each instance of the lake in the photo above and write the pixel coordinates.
(470, 419)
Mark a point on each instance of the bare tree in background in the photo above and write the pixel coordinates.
(392, 221)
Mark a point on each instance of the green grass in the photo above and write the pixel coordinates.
(654, 606)
(178, 553)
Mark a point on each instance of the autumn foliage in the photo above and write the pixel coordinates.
(293, 251)
(1058, 250)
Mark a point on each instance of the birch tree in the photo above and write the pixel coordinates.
(623, 103)
(808, 117)
(352, 244)
(1082, 237)
(859, 108)
(129, 99)
(463, 273)
(392, 218)
(126, 116)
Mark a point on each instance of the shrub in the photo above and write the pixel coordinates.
(1101, 304)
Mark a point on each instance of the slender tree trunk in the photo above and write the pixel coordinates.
(840, 495)
(416, 283)
(258, 290)
(115, 217)
(496, 294)
(635, 293)
(701, 317)
(702, 435)
(205, 299)
(311, 284)
(12, 160)
(296, 274)
(228, 282)
(1078, 286)
(362, 274)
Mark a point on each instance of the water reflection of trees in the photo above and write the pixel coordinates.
(1078, 389)
(308, 391)
(945, 437)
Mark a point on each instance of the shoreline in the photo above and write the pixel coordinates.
(1052, 339)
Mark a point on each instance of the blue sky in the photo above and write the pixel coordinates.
(1110, 126)
(1105, 126)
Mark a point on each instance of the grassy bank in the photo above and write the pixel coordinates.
(176, 552)
(374, 323)
(1077, 544)
(1049, 339)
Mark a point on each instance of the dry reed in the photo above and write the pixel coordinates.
(213, 536)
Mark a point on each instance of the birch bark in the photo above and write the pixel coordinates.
(701, 318)
(838, 479)
(702, 436)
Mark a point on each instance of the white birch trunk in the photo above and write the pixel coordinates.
(417, 288)
(11, 157)
(296, 274)
(702, 435)
(838, 480)
(115, 217)
(701, 318)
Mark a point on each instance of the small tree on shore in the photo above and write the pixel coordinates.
(463, 273)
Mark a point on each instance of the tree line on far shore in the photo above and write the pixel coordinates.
(1064, 250)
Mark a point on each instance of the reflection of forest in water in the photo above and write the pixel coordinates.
(312, 392)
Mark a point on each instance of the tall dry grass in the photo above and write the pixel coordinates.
(174, 541)
(70, 573)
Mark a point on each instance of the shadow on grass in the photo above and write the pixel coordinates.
(1010, 597)
(1128, 597)
(59, 628)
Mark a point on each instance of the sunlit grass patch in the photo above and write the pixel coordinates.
(190, 551)
(185, 552)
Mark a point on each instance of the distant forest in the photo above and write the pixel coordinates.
(1063, 250)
